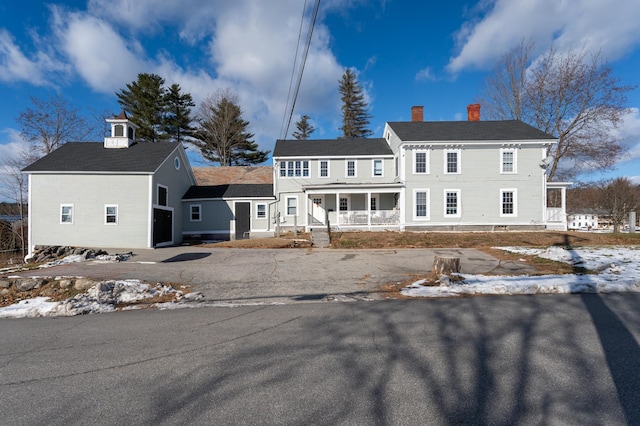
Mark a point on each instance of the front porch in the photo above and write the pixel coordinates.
(556, 206)
(374, 209)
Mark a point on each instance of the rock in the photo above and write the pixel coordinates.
(5, 284)
(64, 283)
(4, 292)
(444, 281)
(60, 251)
(83, 284)
(192, 297)
(28, 284)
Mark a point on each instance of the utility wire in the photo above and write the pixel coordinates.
(302, 64)
(293, 71)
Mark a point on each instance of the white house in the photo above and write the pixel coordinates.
(444, 176)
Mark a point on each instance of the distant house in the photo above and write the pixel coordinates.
(584, 221)
(119, 193)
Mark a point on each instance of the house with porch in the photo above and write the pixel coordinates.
(441, 176)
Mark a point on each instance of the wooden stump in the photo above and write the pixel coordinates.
(444, 265)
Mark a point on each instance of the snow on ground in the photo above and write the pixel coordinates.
(618, 270)
(73, 258)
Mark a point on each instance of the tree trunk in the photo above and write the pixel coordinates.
(445, 265)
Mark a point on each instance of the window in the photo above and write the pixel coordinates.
(396, 165)
(452, 161)
(298, 168)
(508, 202)
(292, 206)
(261, 211)
(344, 204)
(196, 213)
(111, 215)
(377, 167)
(66, 213)
(452, 202)
(507, 160)
(118, 130)
(374, 203)
(420, 162)
(421, 202)
(176, 163)
(351, 168)
(162, 195)
(324, 168)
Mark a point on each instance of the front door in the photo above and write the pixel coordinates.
(162, 226)
(317, 209)
(243, 220)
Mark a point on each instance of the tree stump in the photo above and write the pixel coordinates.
(444, 265)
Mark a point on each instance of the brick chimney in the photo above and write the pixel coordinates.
(417, 113)
(473, 112)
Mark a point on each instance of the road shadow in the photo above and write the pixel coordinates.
(186, 257)
(620, 348)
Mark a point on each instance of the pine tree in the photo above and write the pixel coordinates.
(221, 133)
(177, 119)
(144, 99)
(304, 128)
(355, 114)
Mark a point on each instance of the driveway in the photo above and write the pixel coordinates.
(274, 275)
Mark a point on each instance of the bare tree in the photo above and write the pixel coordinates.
(618, 197)
(50, 123)
(15, 190)
(571, 95)
(221, 133)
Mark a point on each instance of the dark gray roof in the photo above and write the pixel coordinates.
(467, 130)
(331, 147)
(234, 190)
(71, 157)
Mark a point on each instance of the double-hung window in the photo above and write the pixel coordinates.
(261, 211)
(66, 214)
(507, 160)
(421, 204)
(377, 167)
(452, 161)
(324, 168)
(292, 206)
(452, 202)
(421, 162)
(351, 168)
(508, 203)
(111, 214)
(196, 212)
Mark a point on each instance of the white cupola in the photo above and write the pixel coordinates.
(123, 132)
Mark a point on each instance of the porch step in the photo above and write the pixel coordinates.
(320, 238)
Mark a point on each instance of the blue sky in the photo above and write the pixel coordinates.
(434, 54)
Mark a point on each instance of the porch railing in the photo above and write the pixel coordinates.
(366, 218)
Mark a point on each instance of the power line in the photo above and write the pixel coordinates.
(302, 64)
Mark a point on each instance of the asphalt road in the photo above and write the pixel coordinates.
(278, 275)
(557, 359)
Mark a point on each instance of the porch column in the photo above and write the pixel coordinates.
(369, 210)
(338, 208)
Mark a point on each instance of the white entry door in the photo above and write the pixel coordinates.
(317, 209)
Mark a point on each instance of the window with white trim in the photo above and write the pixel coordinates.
(507, 160)
(195, 213)
(452, 202)
(421, 161)
(351, 168)
(452, 161)
(261, 211)
(374, 202)
(111, 214)
(163, 195)
(324, 168)
(297, 168)
(66, 214)
(377, 167)
(508, 203)
(421, 204)
(292, 206)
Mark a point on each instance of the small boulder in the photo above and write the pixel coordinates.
(5, 284)
(64, 283)
(83, 284)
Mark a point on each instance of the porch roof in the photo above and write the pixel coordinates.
(355, 187)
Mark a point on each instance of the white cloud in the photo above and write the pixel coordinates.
(629, 132)
(16, 66)
(426, 74)
(11, 144)
(589, 24)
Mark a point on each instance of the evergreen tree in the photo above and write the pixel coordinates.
(355, 114)
(221, 132)
(304, 128)
(177, 119)
(144, 99)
